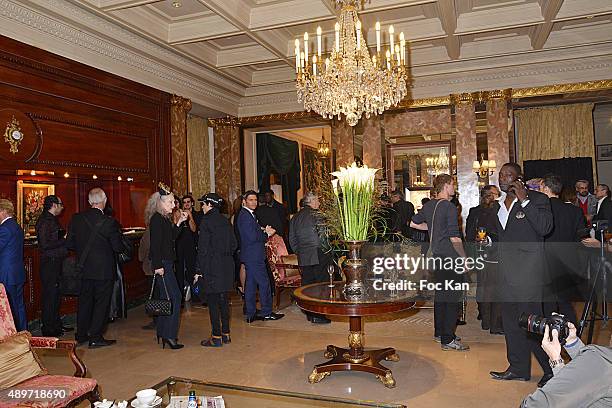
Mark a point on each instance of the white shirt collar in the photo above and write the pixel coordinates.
(504, 213)
(5, 219)
(249, 210)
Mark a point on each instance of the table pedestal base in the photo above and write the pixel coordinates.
(368, 361)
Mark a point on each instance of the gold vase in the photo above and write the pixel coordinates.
(354, 269)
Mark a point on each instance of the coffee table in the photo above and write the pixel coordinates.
(238, 396)
(320, 298)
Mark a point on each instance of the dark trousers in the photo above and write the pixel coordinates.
(488, 306)
(519, 343)
(92, 313)
(314, 274)
(446, 306)
(50, 270)
(18, 309)
(167, 326)
(218, 308)
(185, 264)
(257, 277)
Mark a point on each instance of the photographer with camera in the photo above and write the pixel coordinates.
(586, 381)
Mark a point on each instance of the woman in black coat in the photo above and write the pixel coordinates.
(215, 265)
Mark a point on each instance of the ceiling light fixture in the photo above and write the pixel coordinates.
(176, 4)
(349, 81)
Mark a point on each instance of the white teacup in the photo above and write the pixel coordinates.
(146, 397)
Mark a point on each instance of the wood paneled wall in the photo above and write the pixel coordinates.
(82, 121)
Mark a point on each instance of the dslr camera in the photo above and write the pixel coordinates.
(536, 324)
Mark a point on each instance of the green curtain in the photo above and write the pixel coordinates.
(281, 156)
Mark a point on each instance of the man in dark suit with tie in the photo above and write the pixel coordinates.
(253, 256)
(12, 272)
(561, 245)
(524, 219)
(99, 267)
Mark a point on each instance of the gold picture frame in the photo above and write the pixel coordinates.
(30, 198)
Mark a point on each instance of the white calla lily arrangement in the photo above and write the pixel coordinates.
(354, 189)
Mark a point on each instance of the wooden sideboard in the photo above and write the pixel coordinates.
(135, 281)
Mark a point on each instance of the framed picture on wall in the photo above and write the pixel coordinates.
(604, 152)
(314, 169)
(30, 199)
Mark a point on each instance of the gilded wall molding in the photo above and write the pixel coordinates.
(454, 99)
(588, 86)
(228, 121)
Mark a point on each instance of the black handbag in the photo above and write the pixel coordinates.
(158, 307)
(70, 277)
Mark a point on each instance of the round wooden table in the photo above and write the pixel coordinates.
(320, 298)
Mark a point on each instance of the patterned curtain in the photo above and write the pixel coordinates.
(556, 132)
(198, 156)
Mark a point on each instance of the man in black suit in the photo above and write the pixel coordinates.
(98, 267)
(404, 211)
(524, 218)
(604, 204)
(561, 245)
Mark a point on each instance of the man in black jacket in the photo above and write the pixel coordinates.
(404, 211)
(98, 267)
(52, 250)
(561, 245)
(304, 240)
(604, 204)
(524, 218)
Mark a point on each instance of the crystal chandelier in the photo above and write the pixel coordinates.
(349, 81)
(437, 165)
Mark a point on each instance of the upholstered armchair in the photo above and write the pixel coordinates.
(285, 269)
(21, 370)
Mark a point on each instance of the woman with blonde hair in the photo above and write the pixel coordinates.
(163, 232)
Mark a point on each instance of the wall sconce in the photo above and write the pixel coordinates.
(66, 175)
(454, 165)
(484, 168)
(323, 147)
(94, 177)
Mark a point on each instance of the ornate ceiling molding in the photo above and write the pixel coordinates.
(171, 76)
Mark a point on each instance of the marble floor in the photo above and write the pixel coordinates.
(280, 355)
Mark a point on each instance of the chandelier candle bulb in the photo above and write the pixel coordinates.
(337, 27)
(306, 48)
(314, 65)
(319, 32)
(391, 31)
(358, 29)
(397, 54)
(302, 60)
(388, 60)
(378, 37)
(403, 46)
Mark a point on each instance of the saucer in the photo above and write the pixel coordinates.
(156, 402)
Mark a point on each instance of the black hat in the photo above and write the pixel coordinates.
(213, 199)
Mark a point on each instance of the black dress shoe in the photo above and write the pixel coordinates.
(274, 316)
(101, 343)
(81, 340)
(320, 320)
(507, 376)
(253, 319)
(544, 380)
(498, 332)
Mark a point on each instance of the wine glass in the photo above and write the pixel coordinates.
(330, 272)
(481, 235)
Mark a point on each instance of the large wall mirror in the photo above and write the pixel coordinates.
(412, 167)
